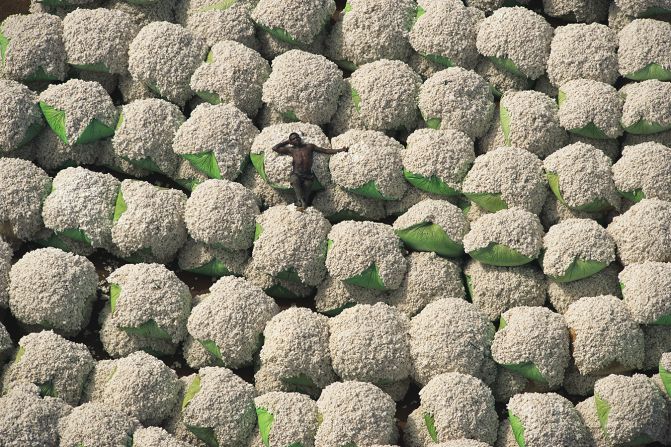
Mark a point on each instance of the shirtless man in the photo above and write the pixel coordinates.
(302, 154)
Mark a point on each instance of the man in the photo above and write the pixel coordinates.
(302, 154)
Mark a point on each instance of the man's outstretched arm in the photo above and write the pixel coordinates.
(323, 150)
(281, 148)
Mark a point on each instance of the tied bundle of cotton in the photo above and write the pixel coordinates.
(6, 254)
(338, 204)
(333, 296)
(436, 161)
(145, 132)
(287, 418)
(542, 419)
(271, 47)
(215, 21)
(583, 11)
(265, 195)
(81, 206)
(96, 424)
(355, 413)
(23, 188)
(150, 305)
(109, 81)
(645, 50)
(35, 50)
(106, 157)
(533, 342)
(657, 342)
(303, 87)
(580, 176)
(591, 109)
(366, 254)
(148, 222)
(229, 322)
(433, 225)
(153, 59)
(506, 177)
(369, 343)
(58, 366)
(456, 405)
(554, 212)
(296, 352)
(632, 410)
(646, 107)
(221, 214)
(140, 386)
(284, 287)
(276, 169)
(509, 237)
(604, 336)
(291, 244)
(132, 89)
(500, 80)
(562, 294)
(155, 437)
(29, 419)
(494, 290)
(217, 409)
(645, 288)
(457, 99)
(294, 22)
(445, 34)
(370, 30)
(429, 279)
(98, 39)
(506, 385)
(234, 74)
(575, 249)
(216, 140)
(203, 259)
(643, 8)
(372, 167)
(583, 51)
(79, 112)
(530, 120)
(382, 96)
(643, 233)
(450, 334)
(644, 171)
(20, 117)
(516, 40)
(52, 154)
(609, 147)
(52, 289)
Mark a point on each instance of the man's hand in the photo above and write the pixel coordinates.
(279, 147)
(344, 149)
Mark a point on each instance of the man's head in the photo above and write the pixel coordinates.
(295, 139)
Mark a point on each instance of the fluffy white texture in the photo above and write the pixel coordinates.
(519, 36)
(23, 188)
(152, 227)
(514, 228)
(500, 80)
(96, 424)
(447, 154)
(305, 84)
(35, 46)
(222, 214)
(333, 296)
(292, 240)
(6, 254)
(82, 102)
(583, 51)
(222, 130)
(338, 204)
(164, 56)
(355, 412)
(644, 42)
(360, 245)
(462, 406)
(372, 157)
(278, 167)
(647, 102)
(646, 289)
(82, 200)
(51, 154)
(145, 133)
(302, 20)
(514, 174)
(214, 24)
(235, 75)
(155, 437)
(644, 167)
(266, 196)
(232, 316)
(19, 114)
(99, 37)
(460, 99)
(450, 335)
(585, 101)
(586, 11)
(145, 14)
(588, 413)
(643, 233)
(449, 32)
(636, 8)
(603, 335)
(295, 418)
(52, 289)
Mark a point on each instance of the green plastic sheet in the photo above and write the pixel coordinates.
(149, 329)
(440, 60)
(518, 429)
(580, 269)
(32, 131)
(596, 206)
(430, 423)
(433, 123)
(504, 116)
(75, 234)
(344, 215)
(427, 236)
(95, 131)
(664, 320)
(528, 370)
(645, 127)
(120, 207)
(4, 43)
(338, 310)
(491, 202)
(506, 64)
(666, 378)
(369, 279)
(215, 268)
(205, 434)
(635, 196)
(210, 97)
(40, 75)
(431, 184)
(602, 410)
(55, 119)
(290, 275)
(369, 189)
(279, 33)
(589, 130)
(303, 384)
(191, 391)
(290, 116)
(115, 291)
(47, 389)
(205, 162)
(500, 255)
(650, 71)
(280, 292)
(265, 419)
(212, 348)
(346, 65)
(356, 99)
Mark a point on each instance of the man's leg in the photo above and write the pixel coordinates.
(297, 185)
(307, 191)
